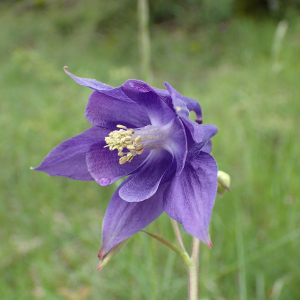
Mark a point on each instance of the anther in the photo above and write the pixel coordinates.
(123, 160)
(121, 126)
(139, 147)
(129, 158)
(138, 139)
(123, 139)
(130, 147)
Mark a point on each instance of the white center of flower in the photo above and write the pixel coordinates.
(132, 142)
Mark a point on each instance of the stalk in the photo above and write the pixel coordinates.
(144, 39)
(193, 270)
(178, 235)
(191, 263)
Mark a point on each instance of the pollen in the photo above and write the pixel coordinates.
(128, 146)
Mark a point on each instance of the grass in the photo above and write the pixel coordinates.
(51, 227)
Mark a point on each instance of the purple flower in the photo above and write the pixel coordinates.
(145, 133)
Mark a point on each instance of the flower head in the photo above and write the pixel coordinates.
(145, 133)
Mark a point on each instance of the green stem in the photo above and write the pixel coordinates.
(164, 241)
(193, 270)
(183, 255)
(144, 39)
(240, 253)
(191, 263)
(178, 235)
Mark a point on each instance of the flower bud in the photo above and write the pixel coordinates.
(223, 183)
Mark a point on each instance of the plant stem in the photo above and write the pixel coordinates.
(165, 242)
(178, 235)
(144, 39)
(193, 270)
(191, 263)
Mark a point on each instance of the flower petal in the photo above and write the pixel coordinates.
(208, 132)
(143, 184)
(103, 88)
(191, 104)
(177, 144)
(104, 166)
(178, 104)
(165, 96)
(144, 95)
(181, 109)
(208, 147)
(124, 219)
(106, 111)
(195, 129)
(69, 158)
(194, 106)
(90, 83)
(190, 197)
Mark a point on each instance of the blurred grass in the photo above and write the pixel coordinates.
(51, 227)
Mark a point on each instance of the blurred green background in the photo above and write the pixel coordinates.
(237, 59)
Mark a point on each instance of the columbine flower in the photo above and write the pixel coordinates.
(146, 133)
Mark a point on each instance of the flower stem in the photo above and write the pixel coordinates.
(182, 254)
(193, 270)
(191, 263)
(178, 235)
(165, 242)
(144, 39)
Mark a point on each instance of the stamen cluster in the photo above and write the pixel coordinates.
(124, 139)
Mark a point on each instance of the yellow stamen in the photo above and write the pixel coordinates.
(123, 160)
(139, 151)
(122, 126)
(139, 147)
(123, 139)
(131, 147)
(138, 139)
(129, 157)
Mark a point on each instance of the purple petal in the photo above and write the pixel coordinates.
(208, 147)
(194, 106)
(165, 96)
(208, 132)
(124, 219)
(191, 104)
(106, 111)
(190, 197)
(195, 129)
(178, 104)
(90, 83)
(144, 95)
(103, 88)
(143, 184)
(104, 166)
(177, 144)
(181, 109)
(69, 158)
